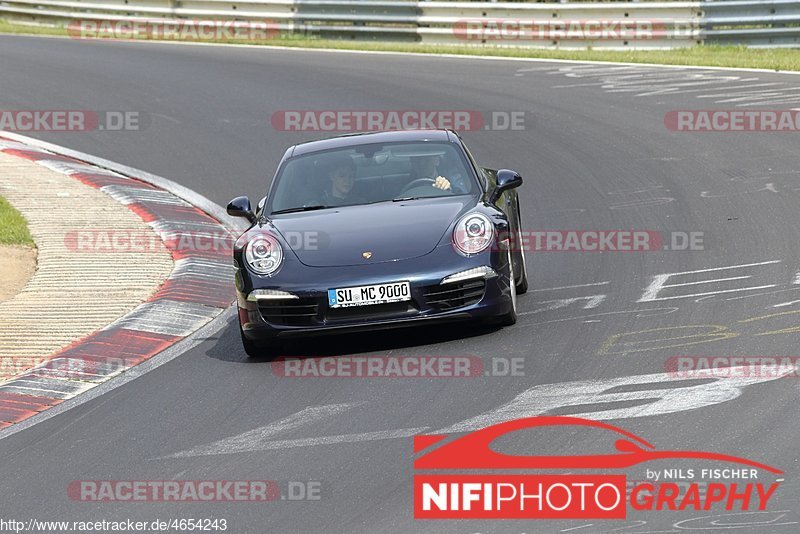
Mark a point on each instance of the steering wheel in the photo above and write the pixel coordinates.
(417, 183)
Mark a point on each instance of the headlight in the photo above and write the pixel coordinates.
(484, 271)
(263, 254)
(270, 294)
(473, 233)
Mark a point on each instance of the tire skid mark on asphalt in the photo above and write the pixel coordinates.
(196, 291)
(644, 81)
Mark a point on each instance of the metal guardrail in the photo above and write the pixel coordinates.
(561, 25)
(672, 24)
(772, 23)
(381, 20)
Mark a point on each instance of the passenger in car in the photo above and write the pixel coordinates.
(341, 173)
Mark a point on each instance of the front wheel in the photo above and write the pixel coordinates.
(253, 349)
(522, 284)
(510, 318)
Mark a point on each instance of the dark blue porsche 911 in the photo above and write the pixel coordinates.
(378, 230)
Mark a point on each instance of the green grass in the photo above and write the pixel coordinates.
(710, 55)
(13, 227)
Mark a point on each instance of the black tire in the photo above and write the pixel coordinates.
(255, 349)
(522, 284)
(252, 348)
(510, 318)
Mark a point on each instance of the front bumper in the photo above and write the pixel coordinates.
(431, 301)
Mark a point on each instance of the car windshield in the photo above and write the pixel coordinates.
(366, 174)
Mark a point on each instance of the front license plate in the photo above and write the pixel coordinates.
(367, 295)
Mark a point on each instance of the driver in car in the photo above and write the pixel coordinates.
(427, 167)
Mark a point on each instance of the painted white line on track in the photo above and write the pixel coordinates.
(571, 287)
(708, 293)
(255, 439)
(576, 528)
(640, 313)
(647, 392)
(659, 282)
(783, 304)
(603, 394)
(592, 301)
(740, 297)
(379, 435)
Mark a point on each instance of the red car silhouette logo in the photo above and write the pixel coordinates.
(473, 451)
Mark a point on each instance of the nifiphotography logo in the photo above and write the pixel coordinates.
(497, 494)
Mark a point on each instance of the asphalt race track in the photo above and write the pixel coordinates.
(595, 154)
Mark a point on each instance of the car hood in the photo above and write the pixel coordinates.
(390, 231)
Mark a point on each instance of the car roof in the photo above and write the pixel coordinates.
(393, 136)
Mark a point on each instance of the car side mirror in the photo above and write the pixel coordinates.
(506, 179)
(260, 205)
(240, 207)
